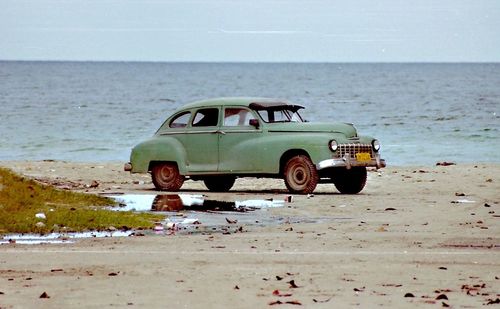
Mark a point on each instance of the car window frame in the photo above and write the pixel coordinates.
(196, 111)
(288, 112)
(177, 116)
(165, 126)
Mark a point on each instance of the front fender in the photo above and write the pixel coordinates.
(158, 149)
(275, 145)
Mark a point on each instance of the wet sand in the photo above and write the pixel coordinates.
(429, 233)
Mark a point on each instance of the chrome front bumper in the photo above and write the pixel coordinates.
(348, 162)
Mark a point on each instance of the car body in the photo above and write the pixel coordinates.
(219, 140)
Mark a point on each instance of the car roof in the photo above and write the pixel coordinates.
(252, 102)
(274, 106)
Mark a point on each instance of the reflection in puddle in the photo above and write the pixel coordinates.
(177, 202)
(58, 238)
(174, 202)
(191, 213)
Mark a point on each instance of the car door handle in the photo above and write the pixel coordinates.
(220, 132)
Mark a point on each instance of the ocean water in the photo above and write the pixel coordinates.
(97, 111)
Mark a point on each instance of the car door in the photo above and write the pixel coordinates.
(201, 141)
(239, 149)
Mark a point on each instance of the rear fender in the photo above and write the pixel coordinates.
(158, 149)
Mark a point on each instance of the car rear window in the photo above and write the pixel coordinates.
(279, 115)
(181, 120)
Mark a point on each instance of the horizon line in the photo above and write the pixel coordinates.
(253, 62)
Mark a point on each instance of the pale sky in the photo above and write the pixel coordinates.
(251, 31)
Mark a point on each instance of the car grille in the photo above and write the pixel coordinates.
(352, 149)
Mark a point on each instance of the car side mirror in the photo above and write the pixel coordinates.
(254, 123)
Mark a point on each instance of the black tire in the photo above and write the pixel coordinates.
(300, 175)
(350, 181)
(219, 183)
(166, 177)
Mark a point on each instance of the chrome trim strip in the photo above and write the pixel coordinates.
(225, 131)
(302, 131)
(189, 132)
(241, 131)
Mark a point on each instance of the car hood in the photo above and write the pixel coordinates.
(345, 128)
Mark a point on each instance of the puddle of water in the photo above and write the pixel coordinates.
(58, 238)
(188, 213)
(178, 202)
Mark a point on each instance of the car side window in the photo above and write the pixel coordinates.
(181, 120)
(207, 117)
(237, 117)
(264, 114)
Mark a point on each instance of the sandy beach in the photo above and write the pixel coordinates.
(414, 237)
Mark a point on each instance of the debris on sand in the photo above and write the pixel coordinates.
(278, 293)
(444, 163)
(462, 201)
(292, 284)
(492, 302)
(442, 296)
(321, 301)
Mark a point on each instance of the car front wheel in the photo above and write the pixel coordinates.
(300, 175)
(166, 177)
(219, 183)
(350, 181)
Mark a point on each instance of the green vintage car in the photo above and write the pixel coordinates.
(221, 139)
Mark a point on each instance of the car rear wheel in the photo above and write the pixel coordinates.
(300, 175)
(219, 183)
(166, 177)
(350, 181)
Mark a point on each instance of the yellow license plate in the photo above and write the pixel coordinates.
(363, 157)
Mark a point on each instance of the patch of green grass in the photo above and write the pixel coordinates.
(21, 199)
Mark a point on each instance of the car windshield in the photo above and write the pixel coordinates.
(280, 115)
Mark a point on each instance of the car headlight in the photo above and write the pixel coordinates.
(333, 145)
(376, 145)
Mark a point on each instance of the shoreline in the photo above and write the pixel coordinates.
(78, 176)
(409, 232)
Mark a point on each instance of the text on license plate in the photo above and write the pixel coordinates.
(363, 156)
